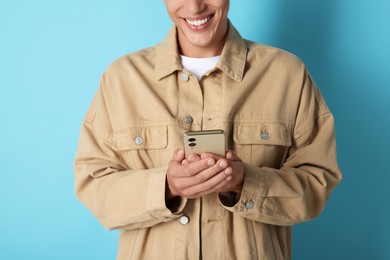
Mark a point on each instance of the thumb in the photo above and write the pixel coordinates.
(179, 155)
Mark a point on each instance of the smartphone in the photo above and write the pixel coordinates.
(197, 142)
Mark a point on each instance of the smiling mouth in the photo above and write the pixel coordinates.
(198, 23)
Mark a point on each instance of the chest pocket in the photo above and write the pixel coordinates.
(141, 147)
(262, 143)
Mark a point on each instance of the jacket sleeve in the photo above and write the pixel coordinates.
(119, 197)
(299, 190)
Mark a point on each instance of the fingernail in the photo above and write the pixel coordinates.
(229, 155)
(228, 171)
(210, 162)
(228, 178)
(223, 164)
(204, 155)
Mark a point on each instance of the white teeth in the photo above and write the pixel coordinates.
(198, 22)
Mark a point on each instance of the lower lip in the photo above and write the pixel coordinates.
(198, 28)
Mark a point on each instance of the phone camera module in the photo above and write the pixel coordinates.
(192, 145)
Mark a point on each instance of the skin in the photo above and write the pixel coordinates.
(203, 174)
(202, 41)
(207, 173)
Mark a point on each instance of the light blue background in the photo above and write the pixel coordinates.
(53, 53)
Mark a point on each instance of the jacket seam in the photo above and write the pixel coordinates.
(301, 134)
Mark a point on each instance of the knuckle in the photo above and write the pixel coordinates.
(201, 178)
(186, 193)
(179, 185)
(186, 171)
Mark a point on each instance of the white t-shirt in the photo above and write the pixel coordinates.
(199, 66)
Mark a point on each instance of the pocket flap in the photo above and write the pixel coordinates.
(136, 138)
(262, 133)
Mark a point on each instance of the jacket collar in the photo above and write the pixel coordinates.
(167, 56)
(232, 62)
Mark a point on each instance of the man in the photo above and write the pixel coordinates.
(279, 169)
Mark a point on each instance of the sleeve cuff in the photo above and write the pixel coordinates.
(252, 196)
(157, 205)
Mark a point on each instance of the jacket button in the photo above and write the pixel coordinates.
(139, 140)
(188, 119)
(249, 204)
(184, 220)
(265, 135)
(185, 77)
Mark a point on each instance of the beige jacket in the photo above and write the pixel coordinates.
(274, 118)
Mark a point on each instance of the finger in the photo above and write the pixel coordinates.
(179, 155)
(185, 162)
(215, 183)
(205, 155)
(231, 155)
(189, 179)
(188, 175)
(192, 185)
(211, 155)
(192, 169)
(193, 158)
(203, 176)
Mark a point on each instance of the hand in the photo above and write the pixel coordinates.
(195, 177)
(235, 167)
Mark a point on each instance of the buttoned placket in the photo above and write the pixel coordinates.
(192, 105)
(190, 101)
